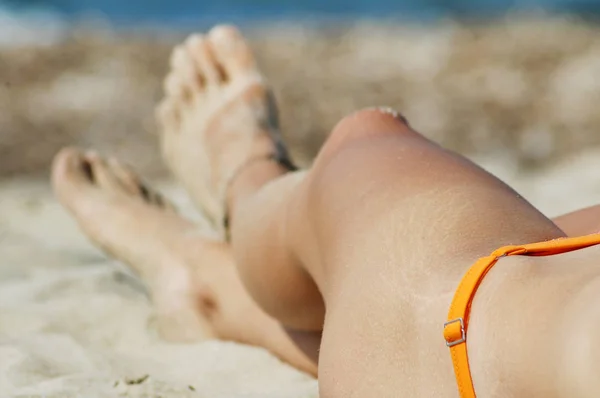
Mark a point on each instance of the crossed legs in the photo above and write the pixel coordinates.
(378, 232)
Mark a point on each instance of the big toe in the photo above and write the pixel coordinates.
(71, 174)
(232, 50)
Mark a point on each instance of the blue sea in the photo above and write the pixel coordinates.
(187, 11)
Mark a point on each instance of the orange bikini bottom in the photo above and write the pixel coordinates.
(455, 329)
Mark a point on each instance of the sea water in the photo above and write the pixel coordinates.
(182, 11)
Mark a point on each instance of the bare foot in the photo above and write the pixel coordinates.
(193, 280)
(218, 118)
(137, 226)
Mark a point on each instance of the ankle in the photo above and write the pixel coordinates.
(249, 180)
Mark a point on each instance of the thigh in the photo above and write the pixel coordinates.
(381, 191)
(580, 222)
(390, 223)
(378, 232)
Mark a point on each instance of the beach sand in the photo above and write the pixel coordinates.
(74, 323)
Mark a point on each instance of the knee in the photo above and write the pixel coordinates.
(356, 149)
(366, 123)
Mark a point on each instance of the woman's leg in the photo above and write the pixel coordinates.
(386, 223)
(192, 279)
(580, 222)
(215, 95)
(379, 231)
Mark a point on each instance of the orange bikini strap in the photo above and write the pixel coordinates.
(455, 329)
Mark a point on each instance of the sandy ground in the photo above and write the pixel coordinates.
(74, 323)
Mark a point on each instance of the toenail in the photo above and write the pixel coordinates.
(92, 155)
(223, 31)
(195, 39)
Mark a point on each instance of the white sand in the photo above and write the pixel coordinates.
(73, 323)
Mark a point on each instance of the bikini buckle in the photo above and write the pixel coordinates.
(463, 336)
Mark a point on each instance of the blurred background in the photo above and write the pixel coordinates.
(517, 81)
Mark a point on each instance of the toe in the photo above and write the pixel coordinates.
(186, 79)
(205, 61)
(174, 86)
(102, 174)
(168, 116)
(154, 197)
(125, 175)
(134, 185)
(69, 173)
(231, 50)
